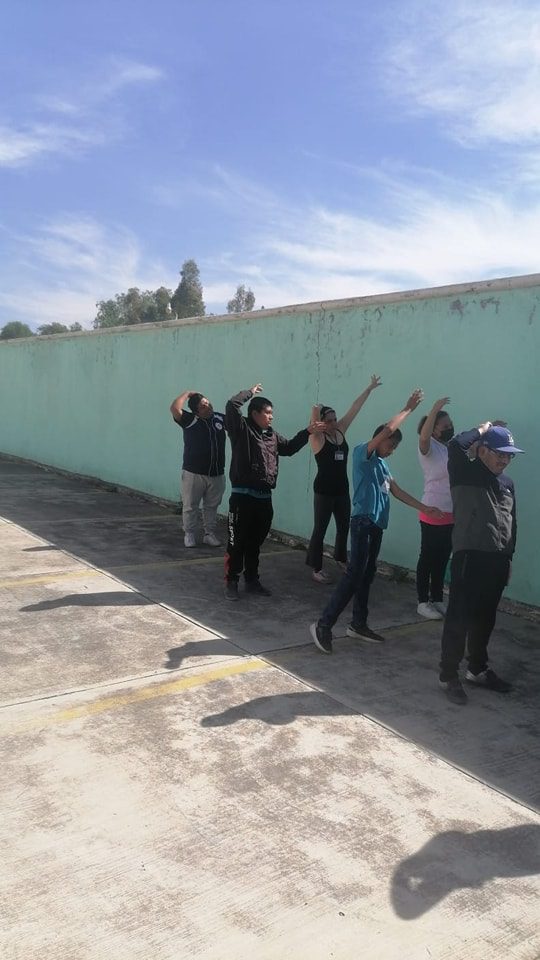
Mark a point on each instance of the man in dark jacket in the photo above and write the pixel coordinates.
(203, 466)
(256, 449)
(483, 544)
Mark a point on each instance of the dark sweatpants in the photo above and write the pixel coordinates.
(477, 581)
(250, 519)
(435, 550)
(325, 507)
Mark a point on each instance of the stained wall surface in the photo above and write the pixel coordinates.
(98, 403)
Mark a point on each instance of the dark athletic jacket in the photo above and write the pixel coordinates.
(256, 452)
(484, 504)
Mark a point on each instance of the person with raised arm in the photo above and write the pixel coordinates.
(483, 543)
(372, 485)
(331, 485)
(203, 465)
(434, 433)
(256, 449)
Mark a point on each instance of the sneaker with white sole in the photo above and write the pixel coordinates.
(189, 540)
(211, 540)
(489, 680)
(440, 605)
(359, 631)
(320, 576)
(322, 637)
(428, 611)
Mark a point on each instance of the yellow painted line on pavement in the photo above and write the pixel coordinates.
(124, 568)
(152, 692)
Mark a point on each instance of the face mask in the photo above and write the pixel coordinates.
(446, 435)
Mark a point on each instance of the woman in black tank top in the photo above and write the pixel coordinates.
(331, 484)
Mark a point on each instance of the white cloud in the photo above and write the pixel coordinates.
(476, 66)
(431, 238)
(59, 272)
(83, 126)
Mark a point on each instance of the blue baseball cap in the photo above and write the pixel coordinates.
(500, 439)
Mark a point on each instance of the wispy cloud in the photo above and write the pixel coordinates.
(59, 271)
(431, 237)
(476, 66)
(83, 124)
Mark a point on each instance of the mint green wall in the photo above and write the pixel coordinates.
(98, 404)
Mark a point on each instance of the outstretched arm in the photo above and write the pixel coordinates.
(411, 501)
(415, 398)
(177, 406)
(355, 407)
(429, 425)
(287, 448)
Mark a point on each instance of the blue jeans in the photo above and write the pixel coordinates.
(366, 539)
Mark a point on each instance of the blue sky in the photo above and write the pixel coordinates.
(311, 150)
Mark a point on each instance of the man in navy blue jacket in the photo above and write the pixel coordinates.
(483, 543)
(203, 466)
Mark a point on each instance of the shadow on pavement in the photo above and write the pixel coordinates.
(456, 860)
(494, 738)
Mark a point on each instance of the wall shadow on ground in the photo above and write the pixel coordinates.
(494, 738)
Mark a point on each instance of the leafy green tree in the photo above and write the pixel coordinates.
(133, 307)
(242, 301)
(48, 329)
(187, 299)
(14, 330)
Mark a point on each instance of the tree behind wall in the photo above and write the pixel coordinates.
(49, 329)
(133, 307)
(242, 301)
(187, 299)
(14, 330)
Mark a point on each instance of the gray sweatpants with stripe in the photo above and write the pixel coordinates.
(197, 487)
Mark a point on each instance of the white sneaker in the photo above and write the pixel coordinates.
(211, 540)
(428, 611)
(320, 576)
(440, 605)
(189, 540)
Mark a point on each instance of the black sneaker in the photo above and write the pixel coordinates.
(231, 590)
(322, 637)
(361, 631)
(255, 586)
(454, 691)
(488, 679)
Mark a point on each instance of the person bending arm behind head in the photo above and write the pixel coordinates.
(434, 433)
(203, 465)
(373, 483)
(484, 541)
(256, 448)
(331, 484)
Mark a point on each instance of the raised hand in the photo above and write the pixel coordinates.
(415, 398)
(256, 388)
(375, 382)
(440, 404)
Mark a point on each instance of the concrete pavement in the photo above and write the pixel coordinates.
(183, 777)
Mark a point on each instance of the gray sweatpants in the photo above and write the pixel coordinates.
(197, 487)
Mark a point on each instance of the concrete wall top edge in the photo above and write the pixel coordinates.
(450, 290)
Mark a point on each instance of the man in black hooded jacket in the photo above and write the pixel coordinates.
(256, 449)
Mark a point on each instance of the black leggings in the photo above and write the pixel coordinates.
(325, 507)
(435, 551)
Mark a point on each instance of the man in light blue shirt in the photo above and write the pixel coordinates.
(372, 485)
